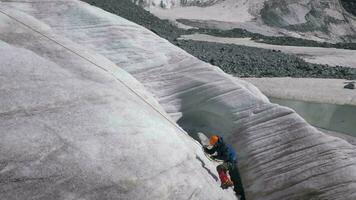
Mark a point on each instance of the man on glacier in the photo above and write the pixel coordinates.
(227, 154)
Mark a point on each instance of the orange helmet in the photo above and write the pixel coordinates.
(213, 139)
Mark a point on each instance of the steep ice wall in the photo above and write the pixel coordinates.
(281, 156)
(73, 125)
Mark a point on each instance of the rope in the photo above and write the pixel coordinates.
(102, 68)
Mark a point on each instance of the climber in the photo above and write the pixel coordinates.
(227, 154)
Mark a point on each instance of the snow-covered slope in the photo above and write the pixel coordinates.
(281, 156)
(312, 19)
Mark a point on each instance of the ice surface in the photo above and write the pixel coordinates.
(87, 148)
(72, 127)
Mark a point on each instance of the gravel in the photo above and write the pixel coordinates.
(349, 5)
(238, 60)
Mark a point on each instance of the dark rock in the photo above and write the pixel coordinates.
(350, 86)
(212, 61)
(233, 59)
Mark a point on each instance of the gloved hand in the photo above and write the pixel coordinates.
(205, 149)
(214, 157)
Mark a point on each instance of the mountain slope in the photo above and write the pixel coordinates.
(350, 6)
(310, 16)
(310, 19)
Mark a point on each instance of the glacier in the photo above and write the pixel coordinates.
(90, 106)
(321, 20)
(76, 126)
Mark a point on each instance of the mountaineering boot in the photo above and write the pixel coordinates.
(227, 184)
(225, 180)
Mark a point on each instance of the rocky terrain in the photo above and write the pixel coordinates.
(310, 16)
(350, 6)
(320, 20)
(232, 59)
(245, 61)
(276, 40)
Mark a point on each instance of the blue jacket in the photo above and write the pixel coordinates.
(224, 151)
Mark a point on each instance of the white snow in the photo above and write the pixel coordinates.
(85, 134)
(328, 56)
